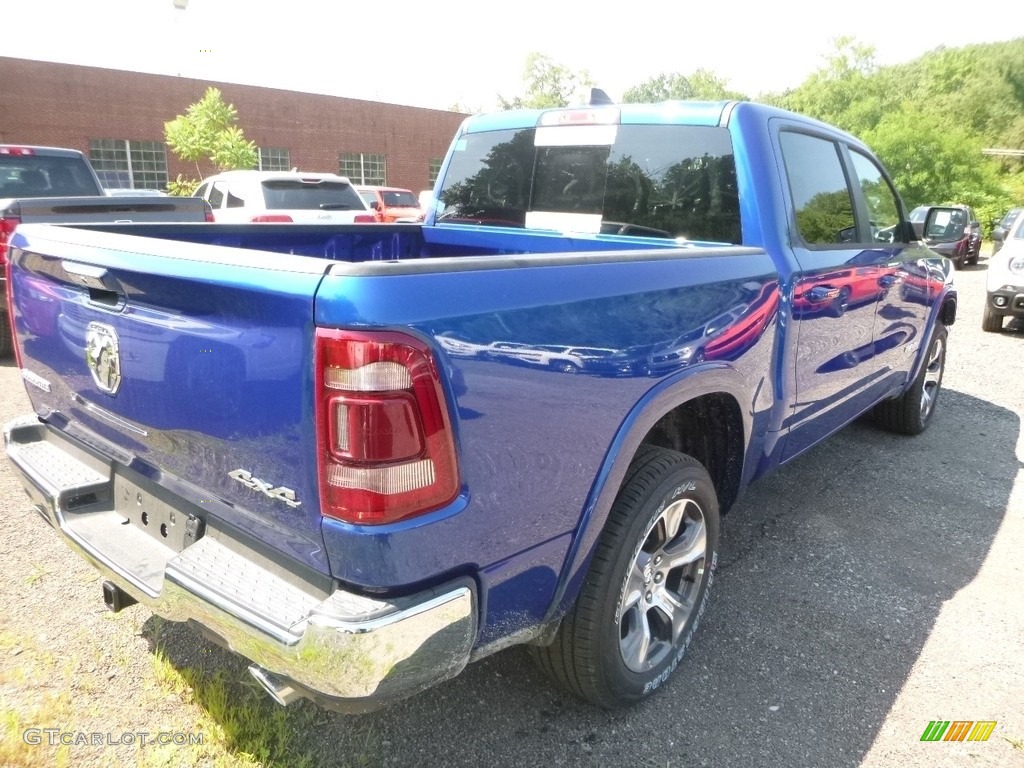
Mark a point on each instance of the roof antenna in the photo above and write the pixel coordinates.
(598, 96)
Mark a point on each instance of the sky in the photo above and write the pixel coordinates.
(441, 54)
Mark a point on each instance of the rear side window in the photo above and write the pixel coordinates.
(217, 194)
(883, 210)
(659, 181)
(309, 196)
(821, 196)
(42, 176)
(400, 199)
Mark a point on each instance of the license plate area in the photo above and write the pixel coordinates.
(147, 507)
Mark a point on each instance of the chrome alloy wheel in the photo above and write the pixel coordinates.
(932, 378)
(662, 585)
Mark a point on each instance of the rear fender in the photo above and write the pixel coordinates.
(706, 379)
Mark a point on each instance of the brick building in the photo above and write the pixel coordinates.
(117, 118)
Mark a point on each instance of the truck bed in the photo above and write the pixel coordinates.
(218, 376)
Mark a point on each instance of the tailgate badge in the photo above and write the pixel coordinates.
(287, 495)
(103, 357)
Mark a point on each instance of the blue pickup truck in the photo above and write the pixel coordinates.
(363, 456)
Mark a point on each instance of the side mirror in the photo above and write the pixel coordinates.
(847, 235)
(940, 225)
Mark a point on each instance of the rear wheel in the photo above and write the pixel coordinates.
(990, 321)
(647, 586)
(911, 412)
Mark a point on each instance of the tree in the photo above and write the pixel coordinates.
(848, 91)
(207, 131)
(702, 85)
(548, 84)
(934, 163)
(663, 87)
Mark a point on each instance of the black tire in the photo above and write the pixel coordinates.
(911, 412)
(598, 653)
(6, 341)
(960, 262)
(990, 321)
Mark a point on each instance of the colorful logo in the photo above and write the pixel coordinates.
(958, 730)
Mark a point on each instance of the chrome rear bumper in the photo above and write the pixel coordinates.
(345, 651)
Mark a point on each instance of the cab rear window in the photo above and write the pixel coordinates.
(663, 181)
(44, 176)
(286, 194)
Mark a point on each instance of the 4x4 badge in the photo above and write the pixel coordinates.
(287, 495)
(103, 357)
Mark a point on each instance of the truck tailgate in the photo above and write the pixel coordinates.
(185, 364)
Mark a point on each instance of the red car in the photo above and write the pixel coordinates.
(392, 204)
(835, 292)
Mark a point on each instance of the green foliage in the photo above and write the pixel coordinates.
(548, 85)
(847, 92)
(207, 132)
(933, 163)
(702, 85)
(929, 119)
(824, 217)
(182, 187)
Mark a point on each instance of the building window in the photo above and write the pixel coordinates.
(433, 171)
(362, 168)
(274, 159)
(123, 164)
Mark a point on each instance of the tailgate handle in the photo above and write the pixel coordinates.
(92, 277)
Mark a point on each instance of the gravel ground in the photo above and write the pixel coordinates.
(869, 587)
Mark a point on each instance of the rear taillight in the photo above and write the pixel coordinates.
(364, 218)
(271, 218)
(386, 450)
(7, 227)
(208, 212)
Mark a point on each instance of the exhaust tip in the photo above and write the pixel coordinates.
(280, 689)
(116, 598)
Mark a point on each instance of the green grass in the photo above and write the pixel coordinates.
(240, 725)
(38, 572)
(23, 705)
